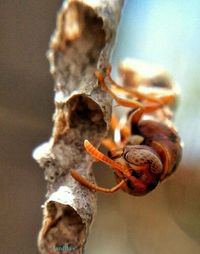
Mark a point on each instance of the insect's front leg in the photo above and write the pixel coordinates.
(100, 156)
(83, 181)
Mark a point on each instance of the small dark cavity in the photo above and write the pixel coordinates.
(174, 167)
(110, 154)
(56, 173)
(173, 137)
(68, 43)
(113, 156)
(130, 185)
(48, 163)
(136, 174)
(151, 186)
(130, 112)
(51, 207)
(162, 82)
(134, 129)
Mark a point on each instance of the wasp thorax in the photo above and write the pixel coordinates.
(140, 155)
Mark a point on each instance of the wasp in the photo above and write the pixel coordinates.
(148, 148)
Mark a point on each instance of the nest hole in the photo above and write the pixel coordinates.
(86, 116)
(68, 231)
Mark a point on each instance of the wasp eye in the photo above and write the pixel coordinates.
(140, 155)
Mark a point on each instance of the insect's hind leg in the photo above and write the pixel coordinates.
(120, 101)
(150, 102)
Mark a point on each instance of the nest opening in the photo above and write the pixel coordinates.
(68, 225)
(87, 117)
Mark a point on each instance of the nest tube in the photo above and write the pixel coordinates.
(81, 43)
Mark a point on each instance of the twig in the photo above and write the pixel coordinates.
(81, 43)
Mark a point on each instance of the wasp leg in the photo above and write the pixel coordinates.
(120, 101)
(149, 107)
(114, 122)
(135, 116)
(83, 181)
(125, 132)
(151, 101)
(165, 98)
(131, 91)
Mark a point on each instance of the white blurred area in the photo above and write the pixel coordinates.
(167, 220)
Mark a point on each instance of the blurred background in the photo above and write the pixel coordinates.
(165, 221)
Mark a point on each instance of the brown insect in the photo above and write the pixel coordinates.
(149, 148)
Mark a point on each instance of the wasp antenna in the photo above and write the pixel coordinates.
(102, 157)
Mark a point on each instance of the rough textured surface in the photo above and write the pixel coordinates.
(81, 43)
